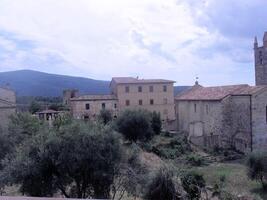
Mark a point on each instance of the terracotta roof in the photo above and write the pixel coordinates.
(218, 92)
(129, 80)
(94, 97)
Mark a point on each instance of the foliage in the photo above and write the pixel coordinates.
(195, 160)
(57, 107)
(193, 183)
(79, 160)
(105, 116)
(135, 125)
(257, 167)
(175, 148)
(132, 176)
(156, 123)
(162, 187)
(34, 107)
(22, 126)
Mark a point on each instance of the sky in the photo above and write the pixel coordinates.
(172, 39)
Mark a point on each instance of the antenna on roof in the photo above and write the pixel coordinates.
(196, 82)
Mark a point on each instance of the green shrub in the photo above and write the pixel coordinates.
(162, 187)
(257, 167)
(195, 160)
(135, 125)
(193, 183)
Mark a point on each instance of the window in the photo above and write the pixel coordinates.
(151, 101)
(266, 113)
(115, 105)
(127, 103)
(151, 88)
(140, 102)
(87, 106)
(127, 89)
(139, 88)
(103, 105)
(164, 88)
(165, 100)
(207, 109)
(195, 107)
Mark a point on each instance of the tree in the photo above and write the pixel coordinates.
(156, 122)
(162, 187)
(22, 126)
(257, 167)
(135, 125)
(34, 107)
(105, 116)
(193, 183)
(79, 160)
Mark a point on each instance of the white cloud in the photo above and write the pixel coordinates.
(104, 38)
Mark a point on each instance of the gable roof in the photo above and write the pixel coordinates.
(218, 92)
(130, 80)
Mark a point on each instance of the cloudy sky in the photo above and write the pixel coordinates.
(174, 39)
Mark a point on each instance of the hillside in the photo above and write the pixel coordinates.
(34, 83)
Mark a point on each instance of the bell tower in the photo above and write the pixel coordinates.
(260, 54)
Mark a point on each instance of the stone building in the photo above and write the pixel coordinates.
(260, 53)
(7, 106)
(127, 93)
(227, 116)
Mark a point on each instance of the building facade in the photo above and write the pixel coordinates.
(225, 116)
(260, 53)
(7, 106)
(127, 93)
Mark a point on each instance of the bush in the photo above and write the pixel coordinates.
(105, 116)
(162, 187)
(135, 125)
(257, 167)
(193, 183)
(195, 160)
(156, 123)
(78, 160)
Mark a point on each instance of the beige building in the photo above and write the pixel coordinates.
(7, 106)
(127, 93)
(225, 116)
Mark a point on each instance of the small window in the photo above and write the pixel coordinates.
(87, 106)
(151, 102)
(127, 103)
(127, 89)
(165, 100)
(164, 88)
(266, 113)
(140, 102)
(115, 105)
(151, 88)
(86, 117)
(195, 108)
(140, 88)
(103, 105)
(207, 109)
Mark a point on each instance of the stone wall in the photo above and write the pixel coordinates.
(259, 121)
(79, 111)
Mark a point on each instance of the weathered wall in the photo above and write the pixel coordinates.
(259, 121)
(163, 101)
(78, 108)
(7, 106)
(200, 119)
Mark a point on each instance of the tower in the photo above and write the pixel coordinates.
(260, 54)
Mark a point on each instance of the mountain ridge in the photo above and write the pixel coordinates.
(35, 83)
